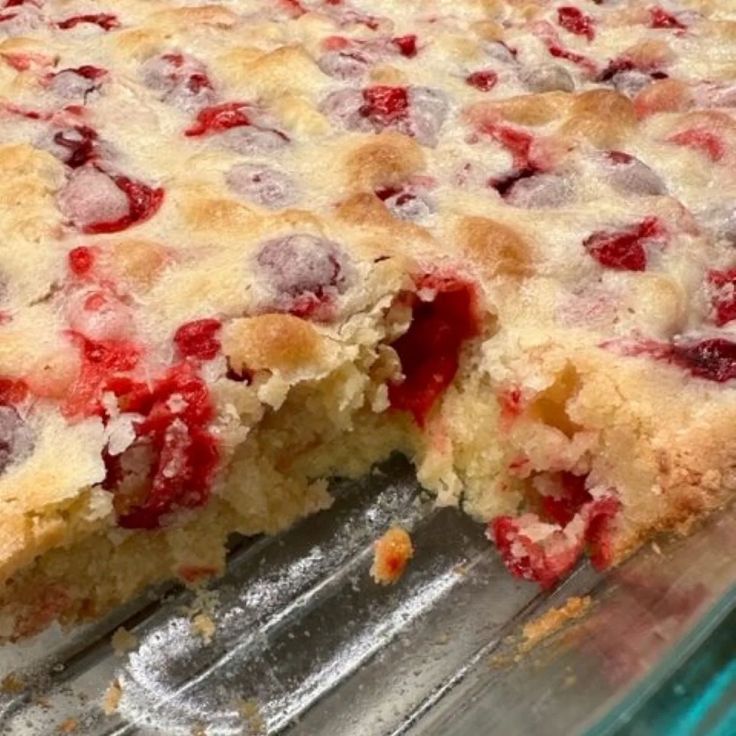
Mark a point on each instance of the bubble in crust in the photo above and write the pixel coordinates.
(90, 196)
(16, 438)
(303, 266)
(630, 175)
(262, 185)
(541, 190)
(547, 78)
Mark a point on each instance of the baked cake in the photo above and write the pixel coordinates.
(253, 244)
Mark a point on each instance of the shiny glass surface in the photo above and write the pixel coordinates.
(304, 643)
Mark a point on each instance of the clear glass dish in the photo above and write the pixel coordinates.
(304, 643)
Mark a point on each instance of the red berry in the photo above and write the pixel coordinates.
(723, 287)
(80, 144)
(575, 21)
(483, 80)
(179, 80)
(570, 497)
(219, 118)
(623, 250)
(529, 556)
(713, 359)
(12, 391)
(198, 339)
(143, 202)
(305, 273)
(81, 260)
(703, 140)
(106, 21)
(429, 350)
(185, 451)
(385, 105)
(660, 18)
(517, 142)
(407, 45)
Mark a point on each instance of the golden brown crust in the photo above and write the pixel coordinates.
(498, 249)
(276, 342)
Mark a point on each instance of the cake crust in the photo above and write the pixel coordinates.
(249, 246)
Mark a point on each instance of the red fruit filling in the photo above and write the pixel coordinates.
(196, 81)
(660, 18)
(104, 362)
(385, 105)
(519, 144)
(218, 118)
(625, 64)
(549, 36)
(82, 147)
(198, 339)
(563, 497)
(575, 21)
(504, 184)
(702, 140)
(143, 203)
(177, 411)
(624, 249)
(106, 21)
(713, 359)
(81, 260)
(407, 45)
(484, 80)
(723, 295)
(87, 71)
(429, 350)
(12, 391)
(534, 550)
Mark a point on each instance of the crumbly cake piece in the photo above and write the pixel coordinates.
(248, 245)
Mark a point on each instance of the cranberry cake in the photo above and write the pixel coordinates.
(254, 244)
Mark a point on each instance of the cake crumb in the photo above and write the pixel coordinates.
(391, 554)
(12, 684)
(250, 711)
(204, 625)
(551, 621)
(70, 725)
(112, 697)
(123, 641)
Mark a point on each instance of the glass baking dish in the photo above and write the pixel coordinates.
(297, 639)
